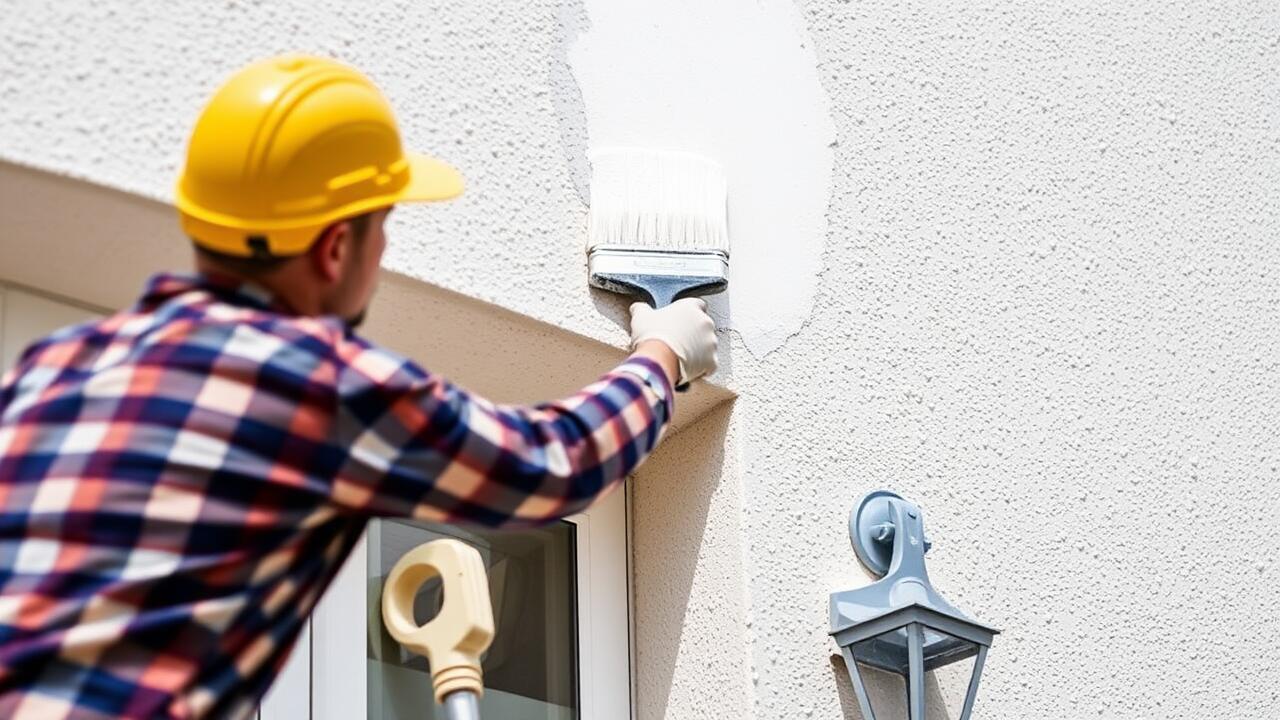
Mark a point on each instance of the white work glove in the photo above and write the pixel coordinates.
(686, 328)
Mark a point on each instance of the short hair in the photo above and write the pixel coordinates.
(261, 264)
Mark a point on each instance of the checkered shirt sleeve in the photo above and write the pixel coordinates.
(422, 447)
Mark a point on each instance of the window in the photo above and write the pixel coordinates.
(531, 669)
(561, 648)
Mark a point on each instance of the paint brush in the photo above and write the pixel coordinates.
(658, 224)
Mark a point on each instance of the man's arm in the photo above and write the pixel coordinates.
(418, 446)
(663, 356)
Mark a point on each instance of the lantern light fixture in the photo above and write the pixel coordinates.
(900, 623)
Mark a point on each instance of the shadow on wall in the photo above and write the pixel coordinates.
(682, 566)
(888, 694)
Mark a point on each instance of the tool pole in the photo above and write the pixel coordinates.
(461, 705)
(454, 640)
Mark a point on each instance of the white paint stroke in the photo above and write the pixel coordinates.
(737, 81)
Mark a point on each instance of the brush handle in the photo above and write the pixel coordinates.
(663, 294)
(662, 300)
(660, 292)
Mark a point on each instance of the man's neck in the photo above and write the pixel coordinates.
(284, 283)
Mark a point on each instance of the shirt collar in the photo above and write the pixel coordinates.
(226, 288)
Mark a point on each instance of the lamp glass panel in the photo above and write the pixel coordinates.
(888, 651)
(951, 662)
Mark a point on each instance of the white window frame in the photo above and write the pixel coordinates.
(327, 677)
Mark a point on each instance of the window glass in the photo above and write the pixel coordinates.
(531, 670)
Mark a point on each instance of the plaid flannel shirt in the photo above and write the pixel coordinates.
(180, 481)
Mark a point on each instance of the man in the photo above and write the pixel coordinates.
(180, 481)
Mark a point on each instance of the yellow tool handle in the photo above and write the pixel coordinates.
(454, 640)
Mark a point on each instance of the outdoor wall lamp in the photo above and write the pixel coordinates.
(900, 623)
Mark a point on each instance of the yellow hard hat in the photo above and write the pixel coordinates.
(289, 145)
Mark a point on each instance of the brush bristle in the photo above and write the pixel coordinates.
(656, 199)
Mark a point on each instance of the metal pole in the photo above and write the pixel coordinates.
(973, 683)
(915, 674)
(859, 689)
(461, 705)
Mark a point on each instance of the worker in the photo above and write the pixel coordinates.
(180, 481)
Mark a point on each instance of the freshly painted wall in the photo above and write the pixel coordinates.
(1017, 261)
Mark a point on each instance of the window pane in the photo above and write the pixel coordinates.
(531, 670)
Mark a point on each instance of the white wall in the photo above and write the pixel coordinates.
(1041, 300)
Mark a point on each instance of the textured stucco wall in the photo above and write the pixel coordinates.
(1046, 310)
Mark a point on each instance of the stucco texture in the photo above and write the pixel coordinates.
(1046, 311)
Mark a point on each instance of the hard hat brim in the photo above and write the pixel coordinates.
(430, 179)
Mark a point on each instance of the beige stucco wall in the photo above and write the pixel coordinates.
(1041, 302)
(692, 603)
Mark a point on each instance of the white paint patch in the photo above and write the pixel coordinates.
(736, 81)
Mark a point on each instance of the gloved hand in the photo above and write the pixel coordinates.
(686, 328)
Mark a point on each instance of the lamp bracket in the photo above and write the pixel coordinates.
(872, 530)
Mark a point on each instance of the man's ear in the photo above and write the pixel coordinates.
(331, 250)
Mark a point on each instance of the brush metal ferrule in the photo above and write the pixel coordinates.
(659, 276)
(610, 260)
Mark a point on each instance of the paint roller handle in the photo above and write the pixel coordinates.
(462, 705)
(453, 641)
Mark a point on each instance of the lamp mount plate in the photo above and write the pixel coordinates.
(872, 541)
